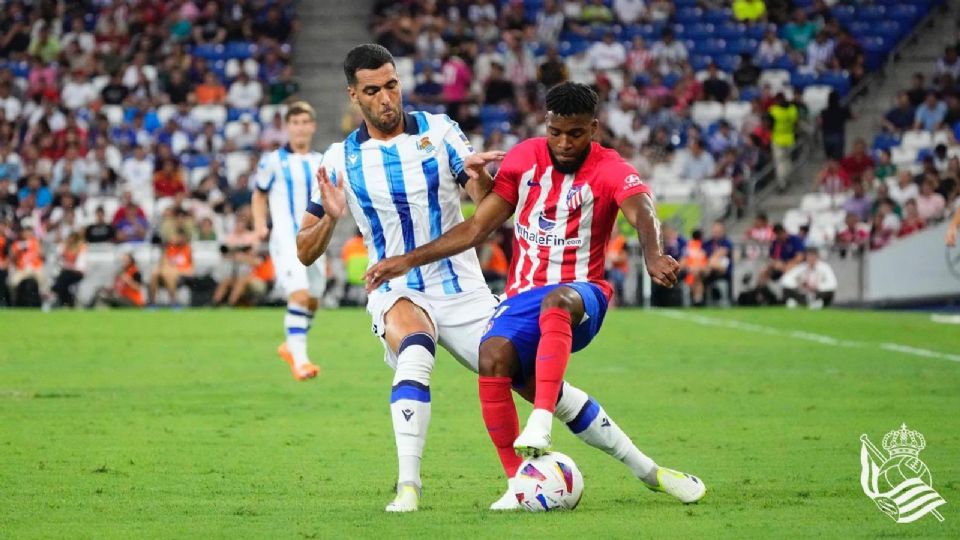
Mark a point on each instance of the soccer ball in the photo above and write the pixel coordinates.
(549, 482)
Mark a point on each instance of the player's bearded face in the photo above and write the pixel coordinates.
(378, 95)
(568, 140)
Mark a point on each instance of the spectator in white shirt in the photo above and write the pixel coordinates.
(138, 73)
(77, 92)
(482, 10)
(669, 53)
(209, 142)
(771, 48)
(620, 119)
(820, 53)
(608, 54)
(9, 104)
(549, 23)
(70, 170)
(430, 44)
(812, 283)
(137, 171)
(245, 93)
(949, 63)
(629, 11)
(697, 164)
(246, 137)
(903, 188)
(78, 34)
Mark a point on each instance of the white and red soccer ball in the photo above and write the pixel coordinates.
(549, 482)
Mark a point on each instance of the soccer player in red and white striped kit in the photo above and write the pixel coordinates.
(565, 192)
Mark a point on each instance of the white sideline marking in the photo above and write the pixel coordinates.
(799, 334)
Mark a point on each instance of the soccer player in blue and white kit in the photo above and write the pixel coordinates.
(284, 183)
(399, 175)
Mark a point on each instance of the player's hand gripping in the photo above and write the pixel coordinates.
(475, 163)
(663, 270)
(386, 270)
(332, 197)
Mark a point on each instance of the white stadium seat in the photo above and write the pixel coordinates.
(236, 164)
(916, 140)
(114, 114)
(816, 97)
(793, 219)
(736, 112)
(704, 113)
(902, 156)
(166, 112)
(210, 113)
(267, 112)
(777, 79)
(815, 202)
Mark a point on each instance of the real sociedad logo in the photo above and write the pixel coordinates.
(424, 145)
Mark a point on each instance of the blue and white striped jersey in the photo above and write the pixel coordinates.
(404, 193)
(288, 179)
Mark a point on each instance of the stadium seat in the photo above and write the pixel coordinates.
(196, 175)
(839, 81)
(778, 79)
(206, 256)
(736, 112)
(405, 72)
(885, 141)
(232, 129)
(902, 157)
(166, 112)
(793, 219)
(816, 98)
(916, 140)
(236, 164)
(210, 113)
(704, 113)
(250, 66)
(802, 80)
(815, 202)
(114, 114)
(267, 112)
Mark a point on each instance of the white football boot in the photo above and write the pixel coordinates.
(686, 488)
(407, 499)
(534, 440)
(508, 501)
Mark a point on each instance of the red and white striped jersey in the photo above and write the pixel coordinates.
(562, 223)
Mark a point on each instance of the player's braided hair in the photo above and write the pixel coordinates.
(570, 98)
(366, 56)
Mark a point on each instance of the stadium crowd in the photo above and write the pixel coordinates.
(139, 123)
(136, 124)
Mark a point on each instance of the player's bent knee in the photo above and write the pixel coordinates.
(564, 298)
(497, 358)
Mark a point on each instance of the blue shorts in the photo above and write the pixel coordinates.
(518, 320)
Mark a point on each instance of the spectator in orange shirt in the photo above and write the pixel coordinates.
(616, 272)
(250, 288)
(211, 91)
(175, 267)
(26, 258)
(127, 286)
(168, 181)
(493, 262)
(355, 260)
(695, 264)
(73, 263)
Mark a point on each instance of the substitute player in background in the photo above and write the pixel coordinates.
(284, 183)
(566, 191)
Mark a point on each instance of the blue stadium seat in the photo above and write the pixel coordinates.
(872, 13)
(210, 52)
(875, 51)
(234, 114)
(727, 62)
(689, 15)
(802, 80)
(749, 93)
(718, 16)
(860, 28)
(891, 30)
(840, 81)
(906, 13)
(844, 14)
(241, 50)
(885, 141)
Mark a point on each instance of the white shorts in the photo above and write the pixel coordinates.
(460, 320)
(292, 275)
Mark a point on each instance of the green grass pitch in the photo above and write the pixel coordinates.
(187, 425)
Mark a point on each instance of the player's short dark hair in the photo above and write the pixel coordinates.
(570, 99)
(366, 56)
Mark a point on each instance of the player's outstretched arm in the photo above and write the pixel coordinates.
(641, 212)
(491, 213)
(480, 183)
(318, 222)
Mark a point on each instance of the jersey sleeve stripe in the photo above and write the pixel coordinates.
(456, 164)
(394, 171)
(288, 178)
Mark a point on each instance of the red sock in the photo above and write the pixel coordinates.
(500, 417)
(556, 341)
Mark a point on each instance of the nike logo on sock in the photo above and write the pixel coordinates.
(407, 414)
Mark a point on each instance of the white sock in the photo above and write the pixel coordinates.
(297, 323)
(410, 402)
(588, 421)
